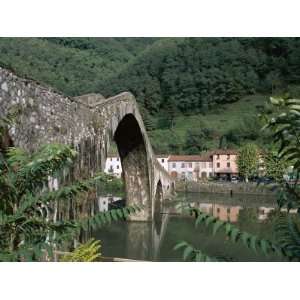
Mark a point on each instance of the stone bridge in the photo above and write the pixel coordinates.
(89, 123)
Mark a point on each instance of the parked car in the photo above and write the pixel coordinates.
(234, 179)
(265, 180)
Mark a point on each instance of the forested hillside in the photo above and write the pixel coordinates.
(191, 91)
(74, 66)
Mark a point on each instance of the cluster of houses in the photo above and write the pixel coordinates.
(217, 163)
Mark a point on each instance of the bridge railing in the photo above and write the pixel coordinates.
(162, 169)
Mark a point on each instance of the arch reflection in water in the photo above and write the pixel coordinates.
(143, 240)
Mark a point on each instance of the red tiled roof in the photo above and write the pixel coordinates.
(190, 158)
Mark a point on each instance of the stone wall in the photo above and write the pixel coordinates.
(223, 188)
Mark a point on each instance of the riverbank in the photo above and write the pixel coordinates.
(224, 188)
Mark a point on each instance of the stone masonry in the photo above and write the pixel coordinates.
(89, 123)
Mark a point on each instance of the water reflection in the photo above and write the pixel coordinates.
(155, 240)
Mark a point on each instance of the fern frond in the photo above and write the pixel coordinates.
(192, 254)
(88, 252)
(49, 161)
(104, 218)
(288, 235)
(236, 235)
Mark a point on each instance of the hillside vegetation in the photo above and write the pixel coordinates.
(194, 93)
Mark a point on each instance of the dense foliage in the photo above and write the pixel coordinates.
(196, 74)
(248, 161)
(73, 66)
(172, 78)
(275, 167)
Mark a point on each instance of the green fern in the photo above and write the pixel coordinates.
(87, 252)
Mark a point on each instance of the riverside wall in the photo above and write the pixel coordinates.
(224, 188)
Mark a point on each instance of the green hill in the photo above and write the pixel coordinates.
(73, 66)
(194, 93)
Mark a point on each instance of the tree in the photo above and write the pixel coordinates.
(197, 140)
(275, 167)
(248, 161)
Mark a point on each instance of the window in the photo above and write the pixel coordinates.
(218, 156)
(228, 210)
(117, 158)
(228, 156)
(210, 174)
(174, 165)
(218, 165)
(183, 165)
(228, 165)
(190, 165)
(210, 164)
(218, 210)
(182, 174)
(162, 160)
(118, 167)
(111, 159)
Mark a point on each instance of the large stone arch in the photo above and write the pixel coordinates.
(89, 123)
(135, 160)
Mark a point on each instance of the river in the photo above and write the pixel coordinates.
(155, 241)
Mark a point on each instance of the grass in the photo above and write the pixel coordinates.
(221, 120)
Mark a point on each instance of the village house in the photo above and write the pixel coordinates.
(219, 163)
(224, 163)
(113, 166)
(163, 160)
(190, 167)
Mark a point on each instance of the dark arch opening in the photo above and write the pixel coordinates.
(132, 150)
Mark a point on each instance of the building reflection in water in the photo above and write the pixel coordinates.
(144, 240)
(231, 213)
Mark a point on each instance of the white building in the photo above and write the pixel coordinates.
(190, 167)
(113, 166)
(104, 202)
(163, 160)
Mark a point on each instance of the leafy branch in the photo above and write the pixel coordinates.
(235, 235)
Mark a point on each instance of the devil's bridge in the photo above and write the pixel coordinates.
(89, 123)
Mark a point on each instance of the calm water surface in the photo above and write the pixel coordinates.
(155, 241)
